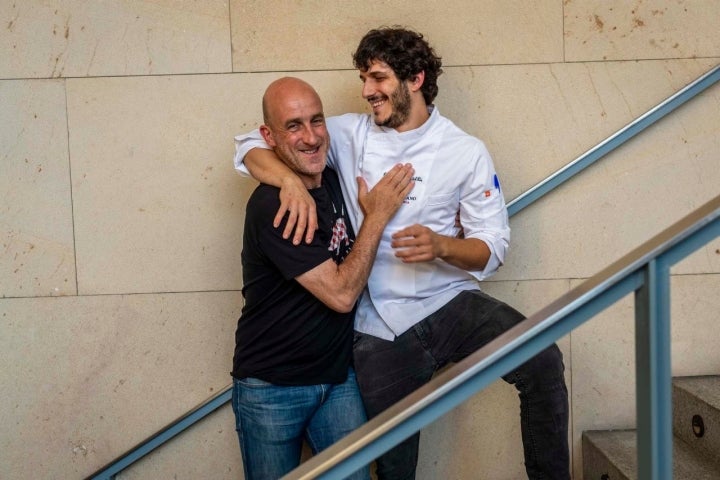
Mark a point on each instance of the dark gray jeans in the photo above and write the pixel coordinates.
(388, 371)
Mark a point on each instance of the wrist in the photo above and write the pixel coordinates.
(290, 180)
(442, 245)
(375, 219)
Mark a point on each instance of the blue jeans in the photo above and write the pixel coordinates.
(388, 371)
(272, 421)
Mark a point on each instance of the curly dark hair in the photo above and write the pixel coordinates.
(405, 51)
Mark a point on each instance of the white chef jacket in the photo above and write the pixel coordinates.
(453, 171)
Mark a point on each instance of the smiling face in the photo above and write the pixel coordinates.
(388, 97)
(295, 128)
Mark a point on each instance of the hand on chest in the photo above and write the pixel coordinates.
(436, 189)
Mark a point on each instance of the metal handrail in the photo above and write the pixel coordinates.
(171, 430)
(591, 156)
(516, 205)
(645, 271)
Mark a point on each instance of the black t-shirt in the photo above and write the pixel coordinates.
(285, 335)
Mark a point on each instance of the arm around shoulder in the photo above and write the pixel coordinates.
(339, 286)
(253, 156)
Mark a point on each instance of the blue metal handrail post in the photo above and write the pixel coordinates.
(653, 373)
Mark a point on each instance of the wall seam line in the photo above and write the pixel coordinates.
(72, 201)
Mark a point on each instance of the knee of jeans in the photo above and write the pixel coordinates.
(546, 369)
(508, 316)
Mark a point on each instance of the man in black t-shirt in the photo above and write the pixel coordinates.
(292, 365)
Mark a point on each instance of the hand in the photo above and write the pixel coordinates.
(387, 195)
(300, 207)
(417, 243)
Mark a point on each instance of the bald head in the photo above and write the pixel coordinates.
(282, 91)
(295, 127)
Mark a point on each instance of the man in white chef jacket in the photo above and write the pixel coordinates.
(423, 306)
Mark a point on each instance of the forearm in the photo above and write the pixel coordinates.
(265, 167)
(378, 206)
(470, 254)
(339, 286)
(418, 243)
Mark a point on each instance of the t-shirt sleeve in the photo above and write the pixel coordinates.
(290, 260)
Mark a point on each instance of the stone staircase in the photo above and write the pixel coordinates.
(612, 454)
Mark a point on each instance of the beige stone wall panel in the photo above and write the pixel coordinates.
(537, 118)
(704, 260)
(659, 176)
(36, 231)
(157, 202)
(694, 307)
(276, 35)
(86, 378)
(618, 30)
(74, 38)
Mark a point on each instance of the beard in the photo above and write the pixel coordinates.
(305, 167)
(400, 100)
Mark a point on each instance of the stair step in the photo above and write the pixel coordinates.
(696, 413)
(612, 455)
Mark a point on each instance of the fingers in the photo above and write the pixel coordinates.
(312, 224)
(411, 231)
(409, 251)
(414, 256)
(298, 205)
(298, 221)
(410, 237)
(414, 244)
(408, 187)
(280, 214)
(388, 193)
(398, 177)
(305, 224)
(301, 221)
